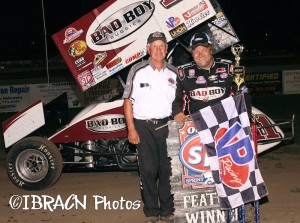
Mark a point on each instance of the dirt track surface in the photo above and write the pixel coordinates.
(279, 168)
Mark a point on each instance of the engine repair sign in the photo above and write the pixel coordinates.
(113, 36)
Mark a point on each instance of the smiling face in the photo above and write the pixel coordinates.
(203, 57)
(157, 51)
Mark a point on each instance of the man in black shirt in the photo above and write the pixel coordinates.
(203, 82)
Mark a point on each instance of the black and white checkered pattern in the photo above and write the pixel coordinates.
(208, 121)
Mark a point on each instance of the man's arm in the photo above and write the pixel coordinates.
(133, 135)
(177, 105)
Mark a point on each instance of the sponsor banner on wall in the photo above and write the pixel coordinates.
(15, 98)
(114, 35)
(291, 81)
(103, 91)
(47, 92)
(264, 83)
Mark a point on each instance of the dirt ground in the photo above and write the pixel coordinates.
(99, 194)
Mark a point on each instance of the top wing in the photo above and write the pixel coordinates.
(113, 36)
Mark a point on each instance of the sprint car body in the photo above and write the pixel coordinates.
(96, 138)
(41, 140)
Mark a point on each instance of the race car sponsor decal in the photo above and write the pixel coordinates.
(178, 30)
(80, 62)
(181, 74)
(173, 22)
(77, 48)
(231, 68)
(106, 123)
(169, 3)
(201, 80)
(96, 71)
(122, 23)
(201, 6)
(193, 156)
(115, 65)
(192, 72)
(213, 77)
(207, 93)
(99, 57)
(135, 57)
(220, 70)
(71, 34)
(86, 79)
(224, 75)
(197, 19)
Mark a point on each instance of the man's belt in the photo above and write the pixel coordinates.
(158, 121)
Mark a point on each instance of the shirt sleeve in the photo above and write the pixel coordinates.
(177, 105)
(129, 84)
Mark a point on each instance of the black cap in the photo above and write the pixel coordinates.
(157, 36)
(200, 39)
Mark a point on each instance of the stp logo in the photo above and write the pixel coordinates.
(235, 152)
(193, 155)
(85, 78)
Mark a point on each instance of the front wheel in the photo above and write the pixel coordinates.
(34, 163)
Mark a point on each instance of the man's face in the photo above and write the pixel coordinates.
(157, 50)
(203, 57)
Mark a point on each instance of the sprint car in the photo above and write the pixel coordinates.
(41, 144)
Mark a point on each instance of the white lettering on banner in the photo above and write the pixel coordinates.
(73, 201)
(209, 216)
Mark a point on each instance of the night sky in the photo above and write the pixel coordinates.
(264, 27)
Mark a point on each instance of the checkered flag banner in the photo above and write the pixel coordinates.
(224, 129)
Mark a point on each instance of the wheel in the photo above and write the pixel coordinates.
(34, 163)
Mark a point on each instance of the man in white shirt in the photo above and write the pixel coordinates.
(148, 96)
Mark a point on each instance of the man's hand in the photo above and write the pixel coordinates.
(180, 118)
(133, 137)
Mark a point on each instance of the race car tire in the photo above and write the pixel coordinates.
(34, 163)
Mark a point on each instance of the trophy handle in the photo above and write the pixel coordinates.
(239, 71)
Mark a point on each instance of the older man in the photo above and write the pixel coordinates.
(148, 96)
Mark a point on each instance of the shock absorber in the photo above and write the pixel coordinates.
(88, 158)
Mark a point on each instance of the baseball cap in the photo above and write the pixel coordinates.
(156, 36)
(200, 39)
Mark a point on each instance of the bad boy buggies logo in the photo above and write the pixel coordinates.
(193, 156)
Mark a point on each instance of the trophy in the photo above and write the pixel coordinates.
(239, 71)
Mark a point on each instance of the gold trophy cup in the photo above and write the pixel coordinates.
(239, 71)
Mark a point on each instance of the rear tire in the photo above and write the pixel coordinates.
(34, 163)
